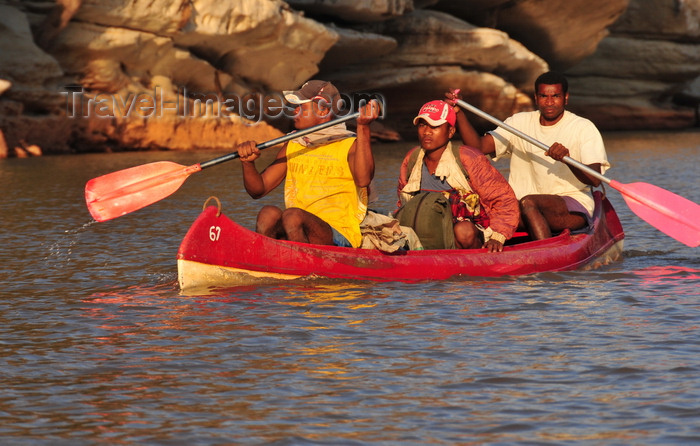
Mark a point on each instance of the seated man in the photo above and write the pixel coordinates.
(490, 208)
(553, 195)
(326, 173)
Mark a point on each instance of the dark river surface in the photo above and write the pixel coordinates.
(99, 346)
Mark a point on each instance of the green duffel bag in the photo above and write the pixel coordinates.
(430, 216)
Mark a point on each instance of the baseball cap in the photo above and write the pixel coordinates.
(436, 113)
(315, 89)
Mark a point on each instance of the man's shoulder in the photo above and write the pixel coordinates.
(526, 114)
(347, 138)
(413, 152)
(343, 140)
(523, 117)
(411, 157)
(473, 161)
(573, 118)
(470, 152)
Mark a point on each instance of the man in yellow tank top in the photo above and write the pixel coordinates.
(326, 173)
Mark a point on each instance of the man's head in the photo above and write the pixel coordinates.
(552, 78)
(436, 113)
(551, 97)
(436, 124)
(316, 100)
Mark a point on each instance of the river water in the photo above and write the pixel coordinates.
(99, 346)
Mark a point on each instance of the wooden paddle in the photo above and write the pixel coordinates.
(671, 214)
(118, 193)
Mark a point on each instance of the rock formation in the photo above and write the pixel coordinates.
(87, 75)
(4, 152)
(436, 51)
(560, 31)
(646, 74)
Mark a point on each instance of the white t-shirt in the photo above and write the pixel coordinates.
(532, 172)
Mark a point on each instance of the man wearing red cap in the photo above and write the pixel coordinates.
(485, 210)
(326, 173)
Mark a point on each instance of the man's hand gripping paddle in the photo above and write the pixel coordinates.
(671, 214)
(118, 193)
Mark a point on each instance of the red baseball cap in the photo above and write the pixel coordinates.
(436, 113)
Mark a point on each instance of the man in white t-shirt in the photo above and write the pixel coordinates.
(553, 195)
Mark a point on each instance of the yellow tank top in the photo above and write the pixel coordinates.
(319, 181)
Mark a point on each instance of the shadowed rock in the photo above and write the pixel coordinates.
(645, 75)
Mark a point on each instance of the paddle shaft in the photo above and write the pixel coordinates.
(670, 213)
(568, 160)
(282, 139)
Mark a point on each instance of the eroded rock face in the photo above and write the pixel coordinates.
(677, 20)
(266, 43)
(29, 86)
(433, 38)
(4, 152)
(162, 17)
(645, 74)
(358, 11)
(354, 46)
(189, 47)
(405, 92)
(30, 70)
(562, 32)
(437, 52)
(203, 44)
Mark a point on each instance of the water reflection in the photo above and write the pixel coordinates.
(665, 274)
(101, 346)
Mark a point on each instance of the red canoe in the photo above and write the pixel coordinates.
(218, 252)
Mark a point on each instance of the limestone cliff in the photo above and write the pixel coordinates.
(87, 75)
(646, 74)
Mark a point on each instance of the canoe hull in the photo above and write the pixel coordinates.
(218, 252)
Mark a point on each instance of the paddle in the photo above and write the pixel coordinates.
(118, 193)
(671, 214)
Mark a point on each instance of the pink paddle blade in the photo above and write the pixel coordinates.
(671, 214)
(128, 190)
